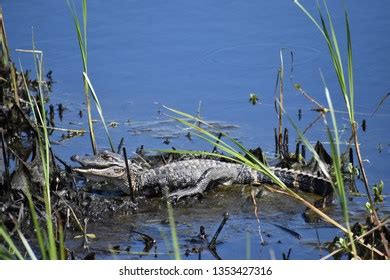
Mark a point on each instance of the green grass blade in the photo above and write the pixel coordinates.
(335, 151)
(82, 41)
(85, 29)
(334, 56)
(339, 65)
(99, 109)
(26, 245)
(350, 71)
(5, 254)
(172, 225)
(80, 38)
(10, 243)
(34, 216)
(61, 241)
(44, 149)
(37, 226)
(310, 17)
(336, 48)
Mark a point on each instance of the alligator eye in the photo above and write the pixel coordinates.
(105, 156)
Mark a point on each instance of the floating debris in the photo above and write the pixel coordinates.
(290, 231)
(113, 124)
(60, 111)
(364, 125)
(253, 98)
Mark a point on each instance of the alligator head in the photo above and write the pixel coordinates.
(102, 160)
(105, 166)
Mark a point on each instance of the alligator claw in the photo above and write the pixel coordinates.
(175, 196)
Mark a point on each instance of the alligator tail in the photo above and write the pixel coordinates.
(303, 181)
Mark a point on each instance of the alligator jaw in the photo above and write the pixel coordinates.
(101, 174)
(103, 159)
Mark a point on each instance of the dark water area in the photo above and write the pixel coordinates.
(143, 54)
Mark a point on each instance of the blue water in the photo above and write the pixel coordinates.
(146, 53)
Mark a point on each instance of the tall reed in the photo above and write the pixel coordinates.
(82, 42)
(346, 84)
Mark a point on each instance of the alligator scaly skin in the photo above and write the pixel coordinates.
(188, 177)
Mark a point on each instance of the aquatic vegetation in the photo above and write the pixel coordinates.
(46, 238)
(88, 88)
(346, 83)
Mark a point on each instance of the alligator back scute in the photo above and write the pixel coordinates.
(304, 181)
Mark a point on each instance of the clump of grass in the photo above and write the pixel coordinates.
(88, 89)
(46, 237)
(346, 83)
(336, 160)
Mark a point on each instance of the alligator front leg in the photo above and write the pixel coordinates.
(212, 175)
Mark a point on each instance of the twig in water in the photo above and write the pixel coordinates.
(279, 101)
(262, 242)
(216, 143)
(214, 239)
(307, 96)
(285, 142)
(297, 150)
(6, 164)
(318, 239)
(198, 111)
(68, 169)
(290, 231)
(287, 257)
(149, 241)
(276, 142)
(198, 123)
(128, 175)
(120, 145)
(312, 123)
(380, 103)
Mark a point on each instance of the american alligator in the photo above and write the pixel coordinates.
(189, 177)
